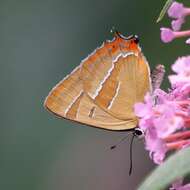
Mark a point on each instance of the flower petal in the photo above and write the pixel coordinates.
(176, 10)
(167, 35)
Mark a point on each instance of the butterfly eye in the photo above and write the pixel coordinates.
(139, 133)
(136, 39)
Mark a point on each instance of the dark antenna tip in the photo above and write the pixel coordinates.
(113, 147)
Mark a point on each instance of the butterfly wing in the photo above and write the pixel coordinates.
(116, 76)
(65, 94)
(68, 100)
(89, 113)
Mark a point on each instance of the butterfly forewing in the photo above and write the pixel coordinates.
(65, 95)
(97, 67)
(102, 91)
(119, 81)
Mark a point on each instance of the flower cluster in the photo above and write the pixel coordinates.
(178, 12)
(165, 116)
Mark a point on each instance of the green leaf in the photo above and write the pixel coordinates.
(178, 165)
(164, 10)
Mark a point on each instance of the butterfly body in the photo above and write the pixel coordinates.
(102, 90)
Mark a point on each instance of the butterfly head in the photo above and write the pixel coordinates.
(125, 44)
(131, 38)
(136, 39)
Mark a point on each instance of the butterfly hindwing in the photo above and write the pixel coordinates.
(68, 100)
(89, 113)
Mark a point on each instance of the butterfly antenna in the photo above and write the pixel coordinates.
(115, 32)
(131, 154)
(114, 146)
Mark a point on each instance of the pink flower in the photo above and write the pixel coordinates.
(182, 69)
(167, 124)
(181, 65)
(176, 10)
(167, 35)
(143, 109)
(156, 146)
(176, 24)
(167, 116)
(161, 96)
(165, 119)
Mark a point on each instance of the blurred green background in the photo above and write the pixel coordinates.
(42, 41)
